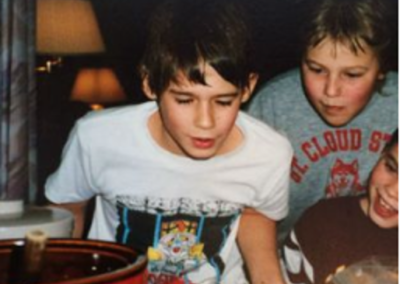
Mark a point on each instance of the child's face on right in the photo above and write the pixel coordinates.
(384, 190)
(338, 82)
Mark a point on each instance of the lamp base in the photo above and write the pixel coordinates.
(55, 222)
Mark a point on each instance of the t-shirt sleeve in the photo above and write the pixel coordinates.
(273, 198)
(73, 181)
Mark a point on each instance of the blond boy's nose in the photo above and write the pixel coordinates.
(332, 87)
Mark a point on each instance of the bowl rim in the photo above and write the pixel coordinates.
(135, 268)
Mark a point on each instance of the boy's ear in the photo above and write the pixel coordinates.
(146, 88)
(248, 91)
(381, 76)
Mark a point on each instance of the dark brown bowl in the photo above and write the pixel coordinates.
(73, 261)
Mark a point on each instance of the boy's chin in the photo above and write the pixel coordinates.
(336, 121)
(200, 155)
(384, 223)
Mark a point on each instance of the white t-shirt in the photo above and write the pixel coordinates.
(183, 213)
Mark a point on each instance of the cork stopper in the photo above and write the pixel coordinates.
(35, 245)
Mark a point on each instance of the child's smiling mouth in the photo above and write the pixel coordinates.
(384, 209)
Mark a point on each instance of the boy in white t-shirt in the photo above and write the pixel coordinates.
(172, 176)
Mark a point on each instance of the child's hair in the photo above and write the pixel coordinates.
(184, 35)
(394, 140)
(351, 22)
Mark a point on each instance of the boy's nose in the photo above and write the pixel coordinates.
(205, 117)
(332, 86)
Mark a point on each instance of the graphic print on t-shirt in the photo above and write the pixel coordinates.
(178, 235)
(313, 150)
(344, 179)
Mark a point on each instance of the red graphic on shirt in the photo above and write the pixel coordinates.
(313, 150)
(344, 179)
(164, 279)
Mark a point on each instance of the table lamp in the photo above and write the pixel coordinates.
(66, 27)
(97, 86)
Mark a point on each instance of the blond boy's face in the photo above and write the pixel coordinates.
(339, 83)
(198, 121)
(384, 191)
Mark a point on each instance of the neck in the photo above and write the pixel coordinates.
(364, 203)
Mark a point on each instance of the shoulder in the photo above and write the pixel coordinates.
(332, 204)
(278, 95)
(281, 82)
(328, 209)
(324, 220)
(390, 87)
(392, 79)
(113, 118)
(292, 75)
(264, 137)
(384, 104)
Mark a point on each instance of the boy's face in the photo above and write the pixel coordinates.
(338, 82)
(384, 191)
(198, 121)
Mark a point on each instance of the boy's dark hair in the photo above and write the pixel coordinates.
(184, 35)
(351, 22)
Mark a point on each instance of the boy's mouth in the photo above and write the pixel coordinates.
(383, 208)
(203, 143)
(333, 109)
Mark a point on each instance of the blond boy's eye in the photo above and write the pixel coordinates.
(315, 69)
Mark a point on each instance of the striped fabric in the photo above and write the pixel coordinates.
(18, 100)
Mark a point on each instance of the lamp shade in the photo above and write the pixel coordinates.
(67, 27)
(97, 86)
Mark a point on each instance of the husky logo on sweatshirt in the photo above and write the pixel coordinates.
(344, 179)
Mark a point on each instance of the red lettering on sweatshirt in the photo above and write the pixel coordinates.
(377, 141)
(332, 141)
(297, 170)
(355, 136)
(321, 150)
(308, 151)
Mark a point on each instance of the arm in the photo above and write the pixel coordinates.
(257, 242)
(78, 209)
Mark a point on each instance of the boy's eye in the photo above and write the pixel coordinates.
(353, 75)
(183, 101)
(224, 103)
(314, 69)
(390, 166)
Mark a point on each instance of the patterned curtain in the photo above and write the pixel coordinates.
(17, 100)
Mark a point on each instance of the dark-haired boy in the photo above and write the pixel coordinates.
(172, 176)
